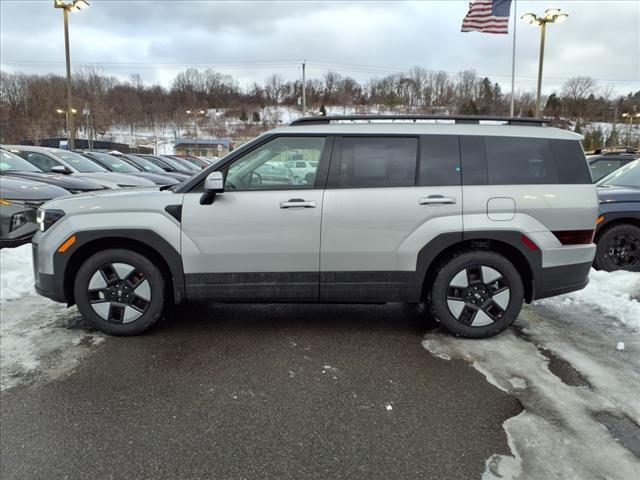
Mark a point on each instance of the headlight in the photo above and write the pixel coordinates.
(46, 218)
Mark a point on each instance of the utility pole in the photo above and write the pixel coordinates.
(543, 31)
(513, 59)
(70, 118)
(304, 89)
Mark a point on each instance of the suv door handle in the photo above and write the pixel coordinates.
(437, 200)
(298, 203)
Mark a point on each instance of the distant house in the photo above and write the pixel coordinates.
(203, 147)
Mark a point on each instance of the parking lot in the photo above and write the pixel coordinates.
(256, 391)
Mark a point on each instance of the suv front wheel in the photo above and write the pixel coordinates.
(476, 294)
(119, 292)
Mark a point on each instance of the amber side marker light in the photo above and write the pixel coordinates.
(600, 220)
(66, 245)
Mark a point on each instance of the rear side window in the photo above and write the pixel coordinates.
(375, 162)
(439, 160)
(497, 160)
(570, 161)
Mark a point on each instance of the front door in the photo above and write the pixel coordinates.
(260, 239)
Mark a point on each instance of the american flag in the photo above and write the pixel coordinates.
(490, 16)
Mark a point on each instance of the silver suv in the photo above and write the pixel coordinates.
(471, 215)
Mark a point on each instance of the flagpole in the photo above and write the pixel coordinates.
(513, 56)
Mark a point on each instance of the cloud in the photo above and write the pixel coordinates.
(251, 40)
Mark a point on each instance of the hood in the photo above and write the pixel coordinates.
(13, 188)
(611, 194)
(69, 182)
(117, 200)
(116, 180)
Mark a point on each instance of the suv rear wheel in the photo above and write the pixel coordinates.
(119, 292)
(619, 249)
(476, 294)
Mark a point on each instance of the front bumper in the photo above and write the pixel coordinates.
(50, 286)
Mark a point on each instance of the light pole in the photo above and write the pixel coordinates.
(630, 116)
(551, 15)
(60, 111)
(195, 114)
(69, 6)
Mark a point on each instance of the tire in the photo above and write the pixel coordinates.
(619, 249)
(489, 288)
(131, 280)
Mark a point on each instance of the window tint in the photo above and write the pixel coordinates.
(439, 160)
(474, 160)
(375, 162)
(519, 161)
(570, 161)
(269, 166)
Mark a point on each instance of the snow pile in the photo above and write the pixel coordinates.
(38, 337)
(16, 272)
(614, 294)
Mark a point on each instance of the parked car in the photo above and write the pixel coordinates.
(119, 165)
(64, 162)
(187, 163)
(170, 164)
(618, 225)
(302, 169)
(149, 166)
(605, 163)
(15, 166)
(20, 199)
(388, 200)
(200, 163)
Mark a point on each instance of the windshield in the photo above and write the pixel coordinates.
(79, 162)
(627, 176)
(145, 164)
(115, 164)
(9, 161)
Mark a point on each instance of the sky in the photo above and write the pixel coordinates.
(363, 39)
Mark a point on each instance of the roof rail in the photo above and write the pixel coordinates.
(470, 119)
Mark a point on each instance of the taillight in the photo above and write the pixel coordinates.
(574, 237)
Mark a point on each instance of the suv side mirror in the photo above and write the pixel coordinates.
(60, 169)
(214, 183)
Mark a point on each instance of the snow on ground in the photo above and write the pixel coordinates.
(570, 361)
(39, 339)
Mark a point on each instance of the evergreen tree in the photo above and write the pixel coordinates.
(255, 118)
(323, 110)
(243, 116)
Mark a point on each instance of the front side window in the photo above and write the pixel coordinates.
(41, 161)
(375, 162)
(269, 166)
(602, 168)
(627, 176)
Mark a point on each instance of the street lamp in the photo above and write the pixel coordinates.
(551, 15)
(630, 116)
(69, 6)
(60, 111)
(195, 114)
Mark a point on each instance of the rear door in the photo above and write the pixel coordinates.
(386, 198)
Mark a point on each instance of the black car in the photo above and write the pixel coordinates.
(618, 224)
(15, 166)
(119, 165)
(149, 166)
(602, 165)
(20, 199)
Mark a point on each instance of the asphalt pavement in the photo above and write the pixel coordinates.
(260, 392)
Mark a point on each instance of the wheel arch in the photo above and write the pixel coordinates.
(528, 262)
(614, 222)
(144, 242)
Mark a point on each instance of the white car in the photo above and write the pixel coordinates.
(303, 170)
